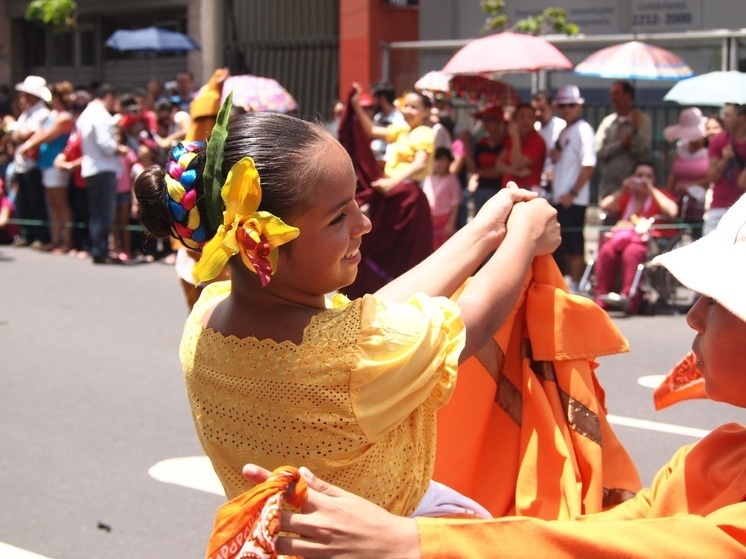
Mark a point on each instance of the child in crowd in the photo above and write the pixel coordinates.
(696, 506)
(147, 157)
(443, 192)
(70, 160)
(121, 233)
(276, 372)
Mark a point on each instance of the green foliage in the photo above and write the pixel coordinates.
(58, 13)
(551, 20)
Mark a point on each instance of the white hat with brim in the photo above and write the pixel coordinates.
(715, 265)
(568, 95)
(36, 86)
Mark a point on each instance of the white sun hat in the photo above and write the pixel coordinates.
(715, 265)
(36, 86)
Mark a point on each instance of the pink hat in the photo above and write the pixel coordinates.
(691, 126)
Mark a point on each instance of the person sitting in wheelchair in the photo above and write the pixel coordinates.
(639, 204)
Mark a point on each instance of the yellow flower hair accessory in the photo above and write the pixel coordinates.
(256, 235)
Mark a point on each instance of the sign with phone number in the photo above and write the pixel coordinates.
(666, 15)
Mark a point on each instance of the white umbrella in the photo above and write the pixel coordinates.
(714, 89)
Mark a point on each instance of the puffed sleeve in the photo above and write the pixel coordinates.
(393, 131)
(407, 357)
(422, 138)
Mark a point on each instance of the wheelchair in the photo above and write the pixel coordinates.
(659, 290)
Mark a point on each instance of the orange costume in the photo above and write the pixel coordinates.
(525, 432)
(695, 508)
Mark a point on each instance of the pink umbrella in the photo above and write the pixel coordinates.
(255, 93)
(634, 60)
(507, 52)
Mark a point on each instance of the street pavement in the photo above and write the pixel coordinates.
(98, 454)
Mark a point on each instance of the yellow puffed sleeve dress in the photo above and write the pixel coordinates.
(355, 401)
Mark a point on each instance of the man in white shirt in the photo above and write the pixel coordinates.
(549, 126)
(575, 159)
(31, 200)
(100, 166)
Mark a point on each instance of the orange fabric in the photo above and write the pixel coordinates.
(248, 525)
(695, 508)
(683, 382)
(522, 433)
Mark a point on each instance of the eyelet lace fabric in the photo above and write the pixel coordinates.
(317, 404)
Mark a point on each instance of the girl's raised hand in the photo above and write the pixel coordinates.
(494, 214)
(537, 219)
(355, 99)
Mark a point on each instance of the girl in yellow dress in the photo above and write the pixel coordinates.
(276, 372)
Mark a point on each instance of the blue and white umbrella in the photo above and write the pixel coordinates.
(151, 39)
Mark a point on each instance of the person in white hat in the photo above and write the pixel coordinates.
(31, 199)
(687, 180)
(695, 508)
(575, 160)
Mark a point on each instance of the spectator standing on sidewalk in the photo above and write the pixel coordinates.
(50, 141)
(727, 153)
(549, 126)
(623, 138)
(575, 160)
(522, 157)
(386, 114)
(30, 200)
(99, 167)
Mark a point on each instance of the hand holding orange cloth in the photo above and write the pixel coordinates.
(248, 525)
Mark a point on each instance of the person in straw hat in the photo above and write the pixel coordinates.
(696, 506)
(30, 199)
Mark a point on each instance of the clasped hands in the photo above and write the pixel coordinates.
(523, 213)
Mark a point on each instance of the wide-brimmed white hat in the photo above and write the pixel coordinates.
(691, 126)
(568, 95)
(715, 265)
(36, 86)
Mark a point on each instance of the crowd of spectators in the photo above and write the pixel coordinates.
(69, 155)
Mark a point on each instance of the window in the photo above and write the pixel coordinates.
(87, 47)
(63, 48)
(36, 46)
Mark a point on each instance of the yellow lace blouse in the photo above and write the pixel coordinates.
(355, 401)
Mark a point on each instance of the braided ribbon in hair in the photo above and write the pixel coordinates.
(182, 196)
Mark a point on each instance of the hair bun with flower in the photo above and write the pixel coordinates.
(255, 235)
(181, 196)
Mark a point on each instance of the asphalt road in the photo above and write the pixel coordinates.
(92, 398)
